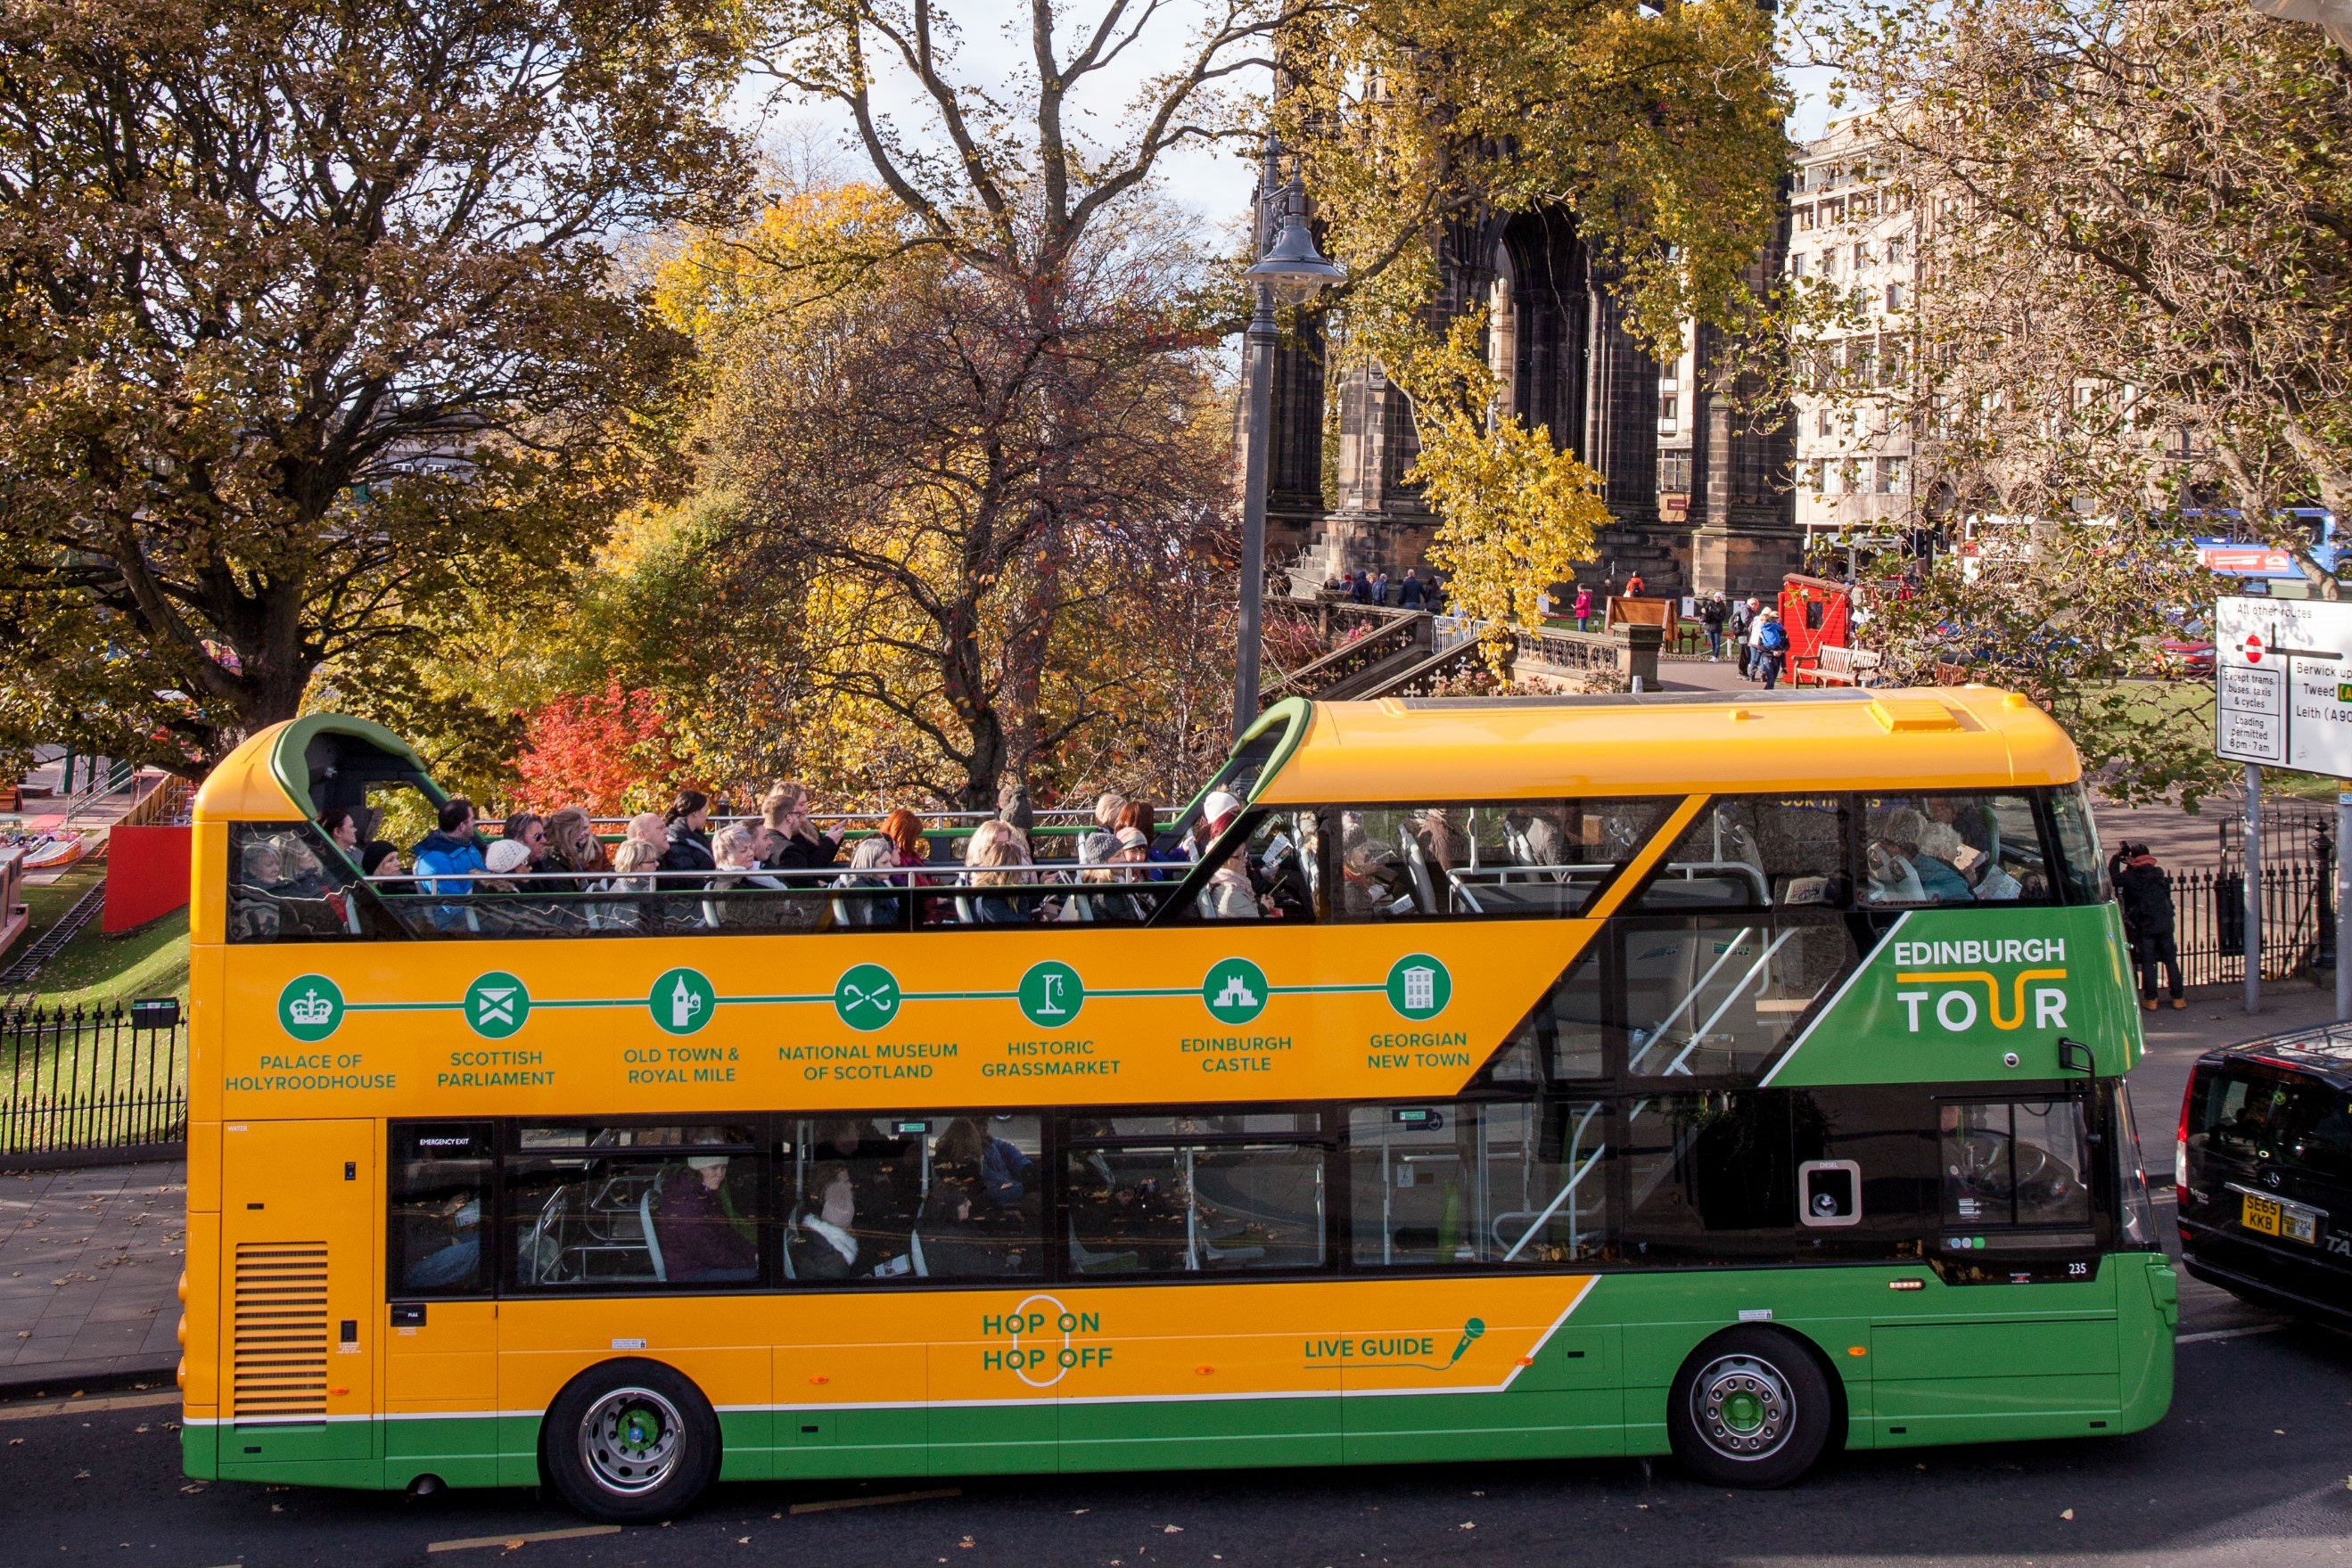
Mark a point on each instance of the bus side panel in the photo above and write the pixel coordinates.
(853, 1409)
(1567, 1404)
(972, 1439)
(2144, 1331)
(1202, 1429)
(2031, 1360)
(441, 1395)
(298, 1225)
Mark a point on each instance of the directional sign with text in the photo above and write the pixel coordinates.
(2283, 683)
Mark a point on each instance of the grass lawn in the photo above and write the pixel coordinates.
(96, 968)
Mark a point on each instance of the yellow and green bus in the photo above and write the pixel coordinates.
(1733, 1077)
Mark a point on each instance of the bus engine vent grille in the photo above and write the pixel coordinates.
(280, 1330)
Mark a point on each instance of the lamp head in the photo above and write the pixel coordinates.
(1292, 267)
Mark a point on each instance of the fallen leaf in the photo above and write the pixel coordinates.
(1469, 1526)
(742, 1541)
(82, 1475)
(1171, 1529)
(2067, 1514)
(966, 1543)
(191, 1490)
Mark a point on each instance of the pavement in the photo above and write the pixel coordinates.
(89, 1270)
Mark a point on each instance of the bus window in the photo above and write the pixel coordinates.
(1702, 1169)
(603, 1207)
(1563, 1036)
(1462, 1184)
(1182, 1206)
(1496, 860)
(1952, 849)
(912, 1196)
(439, 1190)
(2080, 864)
(1714, 995)
(1758, 851)
(288, 885)
(1275, 874)
(2015, 1164)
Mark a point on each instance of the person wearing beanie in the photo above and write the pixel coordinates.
(697, 1237)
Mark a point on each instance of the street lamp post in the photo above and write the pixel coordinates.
(1291, 271)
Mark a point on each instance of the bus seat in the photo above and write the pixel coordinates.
(965, 914)
(914, 1251)
(653, 1242)
(1425, 890)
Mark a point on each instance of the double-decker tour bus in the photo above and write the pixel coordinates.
(1732, 1076)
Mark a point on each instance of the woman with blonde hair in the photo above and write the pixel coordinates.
(994, 846)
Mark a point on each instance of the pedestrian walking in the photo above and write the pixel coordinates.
(1742, 626)
(2144, 892)
(1412, 594)
(1772, 648)
(1362, 591)
(1380, 588)
(1712, 614)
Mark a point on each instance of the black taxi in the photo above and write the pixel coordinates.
(2263, 1170)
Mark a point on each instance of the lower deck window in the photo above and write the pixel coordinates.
(601, 1207)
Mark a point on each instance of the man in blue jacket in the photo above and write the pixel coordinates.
(451, 850)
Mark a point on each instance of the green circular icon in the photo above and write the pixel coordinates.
(1419, 987)
(867, 997)
(310, 1007)
(1234, 990)
(1051, 994)
(682, 1000)
(496, 1005)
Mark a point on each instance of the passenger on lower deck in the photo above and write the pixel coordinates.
(697, 1237)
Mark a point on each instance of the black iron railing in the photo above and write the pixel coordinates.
(2209, 920)
(91, 1080)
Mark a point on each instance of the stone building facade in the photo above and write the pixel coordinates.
(1558, 343)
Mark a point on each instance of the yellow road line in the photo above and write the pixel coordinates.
(830, 1504)
(572, 1534)
(103, 1402)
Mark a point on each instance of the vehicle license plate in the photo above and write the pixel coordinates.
(2276, 1216)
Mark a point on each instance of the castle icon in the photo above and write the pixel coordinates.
(1236, 993)
(310, 1009)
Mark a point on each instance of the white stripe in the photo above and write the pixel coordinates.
(2229, 1333)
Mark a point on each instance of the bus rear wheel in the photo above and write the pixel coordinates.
(1751, 1407)
(630, 1442)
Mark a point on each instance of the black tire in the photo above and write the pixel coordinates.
(1751, 1407)
(629, 1442)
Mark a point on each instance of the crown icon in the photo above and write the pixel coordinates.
(309, 1008)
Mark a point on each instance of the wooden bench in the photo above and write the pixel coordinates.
(1836, 667)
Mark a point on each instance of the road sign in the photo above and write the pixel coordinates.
(2283, 683)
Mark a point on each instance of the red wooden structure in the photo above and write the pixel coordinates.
(1816, 613)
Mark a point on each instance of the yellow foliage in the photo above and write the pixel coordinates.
(1517, 514)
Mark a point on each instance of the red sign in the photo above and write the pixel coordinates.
(2244, 558)
(2253, 647)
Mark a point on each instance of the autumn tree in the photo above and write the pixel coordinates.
(313, 324)
(961, 506)
(2136, 218)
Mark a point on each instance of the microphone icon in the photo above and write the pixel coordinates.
(1470, 1332)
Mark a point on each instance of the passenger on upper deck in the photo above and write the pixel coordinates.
(572, 844)
(342, 830)
(378, 859)
(1096, 847)
(528, 830)
(1227, 894)
(798, 845)
(687, 822)
(995, 845)
(448, 850)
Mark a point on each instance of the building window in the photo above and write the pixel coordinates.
(1893, 476)
(1669, 408)
(1797, 258)
(1897, 248)
(1861, 255)
(1804, 218)
(1675, 473)
(1824, 423)
(1829, 263)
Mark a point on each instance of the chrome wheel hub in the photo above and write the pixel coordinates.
(630, 1441)
(1742, 1408)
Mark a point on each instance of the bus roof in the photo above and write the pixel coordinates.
(1467, 749)
(286, 761)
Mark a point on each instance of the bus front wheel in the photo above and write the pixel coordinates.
(1751, 1407)
(630, 1442)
